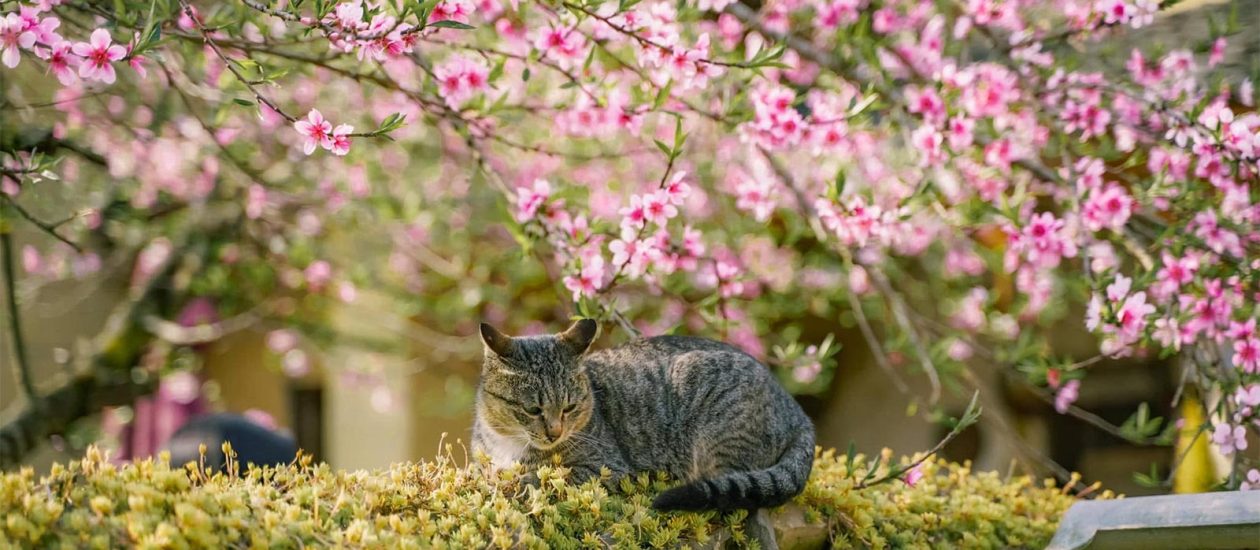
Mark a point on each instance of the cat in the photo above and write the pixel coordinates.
(703, 411)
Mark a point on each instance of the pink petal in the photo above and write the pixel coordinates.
(309, 146)
(101, 39)
(26, 39)
(303, 126)
(11, 57)
(116, 52)
(106, 74)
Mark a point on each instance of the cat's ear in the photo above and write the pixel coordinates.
(579, 336)
(497, 342)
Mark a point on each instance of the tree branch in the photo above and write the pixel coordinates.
(15, 319)
(49, 228)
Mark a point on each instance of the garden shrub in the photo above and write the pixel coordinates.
(93, 503)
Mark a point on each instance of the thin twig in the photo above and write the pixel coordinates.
(228, 63)
(898, 306)
(50, 229)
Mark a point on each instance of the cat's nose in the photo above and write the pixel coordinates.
(554, 429)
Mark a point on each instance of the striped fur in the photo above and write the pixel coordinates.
(704, 411)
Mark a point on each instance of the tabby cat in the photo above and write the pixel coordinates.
(704, 411)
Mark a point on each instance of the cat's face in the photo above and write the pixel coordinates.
(533, 388)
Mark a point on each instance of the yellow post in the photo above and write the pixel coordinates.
(1197, 471)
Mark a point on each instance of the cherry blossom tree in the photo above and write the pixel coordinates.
(949, 177)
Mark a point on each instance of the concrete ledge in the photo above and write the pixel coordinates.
(1208, 520)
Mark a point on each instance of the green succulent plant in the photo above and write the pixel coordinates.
(92, 503)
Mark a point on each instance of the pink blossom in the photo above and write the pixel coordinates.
(566, 45)
(1066, 395)
(724, 275)
(959, 350)
(295, 363)
(315, 131)
(255, 201)
(806, 374)
(31, 261)
(999, 154)
(529, 200)
(461, 78)
(98, 57)
(1131, 317)
(658, 208)
(452, 10)
(1168, 333)
(1087, 117)
(61, 63)
(1247, 354)
(859, 280)
(756, 196)
(317, 274)
(927, 104)
(961, 261)
(281, 340)
(1229, 438)
(969, 313)
(913, 475)
(631, 256)
(14, 37)
(152, 257)
(927, 141)
(634, 216)
(340, 139)
(347, 292)
(1115, 11)
(1248, 397)
(1217, 53)
(1044, 241)
(1252, 482)
(1177, 272)
(960, 133)
(1108, 208)
(677, 189)
(588, 281)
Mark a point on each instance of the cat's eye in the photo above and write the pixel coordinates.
(572, 407)
(533, 411)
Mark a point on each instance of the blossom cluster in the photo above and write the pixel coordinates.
(29, 30)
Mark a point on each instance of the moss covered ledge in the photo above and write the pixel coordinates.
(94, 504)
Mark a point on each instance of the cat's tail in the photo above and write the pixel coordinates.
(765, 488)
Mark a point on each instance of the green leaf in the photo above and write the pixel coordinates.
(679, 137)
(246, 63)
(391, 123)
(525, 75)
(664, 148)
(448, 24)
(243, 102)
(497, 71)
(624, 5)
(1150, 480)
(662, 95)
